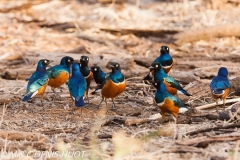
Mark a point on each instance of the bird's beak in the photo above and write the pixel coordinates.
(151, 67)
(83, 59)
(111, 66)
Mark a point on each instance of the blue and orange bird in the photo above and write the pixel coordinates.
(59, 74)
(99, 76)
(114, 85)
(220, 85)
(173, 87)
(168, 103)
(37, 83)
(86, 72)
(77, 86)
(165, 60)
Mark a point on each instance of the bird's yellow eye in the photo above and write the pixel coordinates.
(167, 48)
(45, 61)
(155, 83)
(156, 65)
(95, 69)
(87, 59)
(116, 65)
(69, 60)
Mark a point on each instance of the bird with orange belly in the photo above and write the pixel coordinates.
(220, 85)
(86, 72)
(173, 87)
(114, 85)
(59, 74)
(165, 60)
(167, 102)
(37, 83)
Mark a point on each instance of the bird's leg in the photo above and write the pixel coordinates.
(42, 103)
(100, 103)
(72, 111)
(224, 102)
(106, 105)
(56, 94)
(113, 105)
(217, 105)
(87, 99)
(175, 127)
(81, 112)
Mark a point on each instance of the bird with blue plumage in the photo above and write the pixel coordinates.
(220, 85)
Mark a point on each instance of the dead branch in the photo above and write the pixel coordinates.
(206, 33)
(206, 140)
(58, 131)
(108, 120)
(20, 135)
(104, 136)
(214, 104)
(213, 129)
(22, 73)
(141, 32)
(133, 121)
(186, 149)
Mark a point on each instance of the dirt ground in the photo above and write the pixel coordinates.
(202, 36)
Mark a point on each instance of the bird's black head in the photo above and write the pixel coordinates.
(159, 85)
(68, 60)
(156, 84)
(84, 60)
(155, 66)
(95, 69)
(115, 66)
(44, 62)
(164, 50)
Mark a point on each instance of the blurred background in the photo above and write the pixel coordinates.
(198, 32)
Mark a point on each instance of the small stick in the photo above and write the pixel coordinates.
(133, 121)
(214, 104)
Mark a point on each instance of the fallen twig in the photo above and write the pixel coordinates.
(20, 135)
(200, 141)
(133, 121)
(213, 129)
(214, 104)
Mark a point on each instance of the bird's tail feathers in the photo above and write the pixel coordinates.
(28, 95)
(79, 102)
(149, 76)
(218, 91)
(184, 92)
(98, 90)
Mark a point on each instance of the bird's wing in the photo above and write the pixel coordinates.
(177, 102)
(173, 83)
(218, 83)
(36, 82)
(54, 71)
